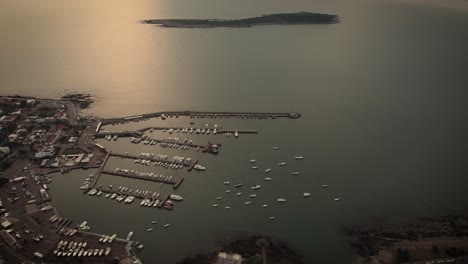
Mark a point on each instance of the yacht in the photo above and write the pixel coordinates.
(268, 170)
(267, 179)
(149, 229)
(226, 183)
(215, 205)
(228, 191)
(140, 247)
(275, 148)
(236, 134)
(272, 217)
(227, 207)
(218, 198)
(281, 200)
(256, 187)
(337, 199)
(295, 173)
(166, 225)
(247, 203)
(265, 205)
(238, 185)
(129, 236)
(112, 238)
(252, 160)
(176, 197)
(254, 167)
(199, 167)
(108, 250)
(324, 185)
(252, 195)
(154, 222)
(282, 163)
(306, 194)
(298, 157)
(239, 194)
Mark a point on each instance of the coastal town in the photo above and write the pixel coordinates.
(42, 137)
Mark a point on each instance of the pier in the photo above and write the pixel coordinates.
(178, 183)
(204, 114)
(119, 134)
(238, 131)
(128, 156)
(138, 177)
(98, 174)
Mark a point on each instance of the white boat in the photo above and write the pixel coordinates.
(166, 225)
(112, 238)
(252, 160)
(154, 222)
(236, 134)
(267, 179)
(215, 205)
(176, 197)
(227, 207)
(247, 203)
(252, 195)
(256, 187)
(268, 170)
(306, 194)
(239, 194)
(140, 247)
(324, 185)
(337, 199)
(226, 183)
(282, 163)
(281, 200)
(295, 173)
(228, 191)
(254, 167)
(265, 205)
(218, 198)
(275, 148)
(298, 157)
(149, 229)
(272, 217)
(238, 185)
(199, 167)
(129, 236)
(108, 250)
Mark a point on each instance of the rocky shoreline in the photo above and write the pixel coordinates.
(250, 248)
(423, 240)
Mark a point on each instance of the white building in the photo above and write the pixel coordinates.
(46, 151)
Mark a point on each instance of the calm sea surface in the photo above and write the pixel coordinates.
(382, 95)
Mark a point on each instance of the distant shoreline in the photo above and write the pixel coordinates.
(300, 18)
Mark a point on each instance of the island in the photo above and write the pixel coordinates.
(299, 18)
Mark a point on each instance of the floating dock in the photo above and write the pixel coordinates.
(151, 159)
(138, 177)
